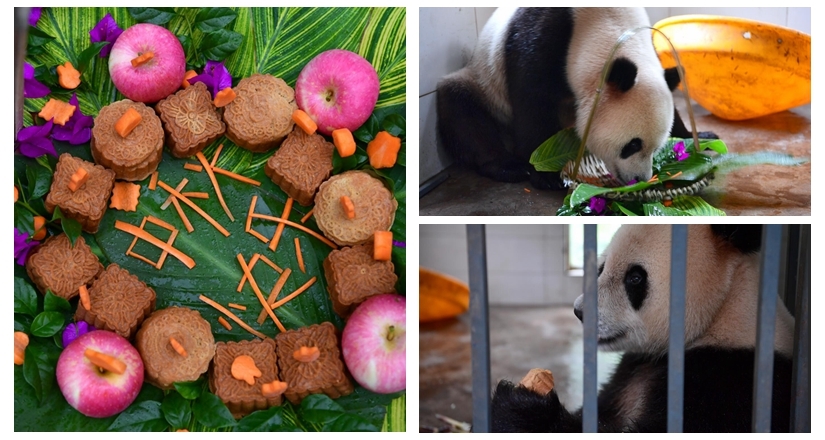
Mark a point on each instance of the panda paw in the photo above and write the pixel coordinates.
(518, 409)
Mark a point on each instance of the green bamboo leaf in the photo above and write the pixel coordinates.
(384, 44)
(696, 166)
(152, 15)
(616, 206)
(697, 206)
(585, 192)
(658, 209)
(85, 58)
(396, 419)
(38, 37)
(554, 153)
(212, 19)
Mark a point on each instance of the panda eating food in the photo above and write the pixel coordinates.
(720, 335)
(535, 71)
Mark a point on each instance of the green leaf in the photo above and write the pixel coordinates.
(144, 417)
(211, 412)
(38, 37)
(394, 124)
(616, 206)
(39, 180)
(32, 371)
(402, 155)
(189, 390)
(716, 145)
(693, 168)
(383, 43)
(218, 45)
(46, 324)
(341, 164)
(70, 226)
(695, 205)
(22, 323)
(320, 409)
(554, 153)
(585, 192)
(85, 58)
(368, 130)
(23, 220)
(270, 420)
(396, 419)
(25, 298)
(212, 19)
(152, 15)
(176, 410)
(658, 209)
(54, 303)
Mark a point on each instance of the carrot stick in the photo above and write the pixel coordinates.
(297, 226)
(252, 262)
(192, 167)
(249, 214)
(195, 207)
(303, 120)
(144, 259)
(236, 176)
(236, 306)
(224, 97)
(142, 59)
(140, 233)
(273, 265)
(78, 179)
(153, 182)
(183, 218)
(297, 292)
(178, 188)
(276, 290)
(258, 235)
(165, 253)
(128, 122)
(232, 316)
(344, 143)
(159, 222)
(280, 229)
(259, 294)
(223, 322)
(307, 216)
(215, 156)
(69, 77)
(382, 246)
(300, 255)
(178, 348)
(196, 195)
(206, 165)
(348, 207)
(85, 301)
(104, 361)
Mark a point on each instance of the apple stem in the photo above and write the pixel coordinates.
(391, 333)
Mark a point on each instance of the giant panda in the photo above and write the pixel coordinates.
(535, 71)
(720, 333)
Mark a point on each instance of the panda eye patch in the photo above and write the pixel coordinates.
(631, 148)
(635, 284)
(601, 269)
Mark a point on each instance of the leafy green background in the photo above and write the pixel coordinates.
(278, 41)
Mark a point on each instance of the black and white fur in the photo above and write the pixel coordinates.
(535, 71)
(720, 333)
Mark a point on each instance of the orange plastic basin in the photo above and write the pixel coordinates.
(440, 296)
(738, 69)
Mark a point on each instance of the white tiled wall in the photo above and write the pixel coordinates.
(447, 37)
(525, 262)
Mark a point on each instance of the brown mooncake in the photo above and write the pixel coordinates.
(353, 275)
(302, 163)
(57, 266)
(119, 302)
(260, 116)
(324, 375)
(190, 120)
(164, 365)
(88, 203)
(374, 208)
(137, 155)
(240, 397)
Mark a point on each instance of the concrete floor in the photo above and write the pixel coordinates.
(521, 338)
(756, 190)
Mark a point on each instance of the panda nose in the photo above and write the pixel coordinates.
(578, 312)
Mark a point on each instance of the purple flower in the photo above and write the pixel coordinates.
(34, 16)
(632, 182)
(215, 76)
(105, 30)
(34, 141)
(32, 88)
(597, 205)
(75, 330)
(22, 246)
(679, 149)
(78, 129)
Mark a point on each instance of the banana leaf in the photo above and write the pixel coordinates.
(278, 41)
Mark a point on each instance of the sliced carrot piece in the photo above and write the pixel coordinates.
(273, 389)
(187, 76)
(174, 232)
(125, 196)
(178, 188)
(193, 167)
(143, 235)
(195, 195)
(344, 143)
(306, 354)
(236, 176)
(178, 348)
(153, 182)
(208, 168)
(292, 295)
(128, 122)
(142, 59)
(224, 97)
(271, 264)
(258, 235)
(348, 207)
(21, 341)
(236, 306)
(215, 156)
(276, 290)
(248, 225)
(307, 216)
(197, 209)
(382, 246)
(243, 368)
(252, 262)
(383, 150)
(303, 120)
(259, 294)
(68, 76)
(231, 316)
(57, 111)
(78, 179)
(104, 361)
(300, 255)
(16, 194)
(186, 223)
(85, 300)
(225, 324)
(296, 226)
(280, 229)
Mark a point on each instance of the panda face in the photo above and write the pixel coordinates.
(634, 286)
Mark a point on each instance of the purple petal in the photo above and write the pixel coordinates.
(632, 182)
(105, 30)
(34, 16)
(28, 71)
(37, 147)
(75, 330)
(33, 88)
(34, 131)
(76, 131)
(216, 77)
(22, 247)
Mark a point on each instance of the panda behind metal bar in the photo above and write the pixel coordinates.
(722, 291)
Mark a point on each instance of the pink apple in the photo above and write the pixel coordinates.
(158, 77)
(91, 390)
(337, 89)
(375, 343)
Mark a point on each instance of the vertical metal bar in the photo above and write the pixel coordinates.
(591, 331)
(801, 403)
(21, 32)
(792, 279)
(676, 351)
(763, 364)
(479, 326)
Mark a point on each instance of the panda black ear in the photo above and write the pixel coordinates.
(746, 238)
(622, 74)
(672, 78)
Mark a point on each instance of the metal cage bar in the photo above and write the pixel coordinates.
(479, 326)
(591, 332)
(801, 388)
(676, 349)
